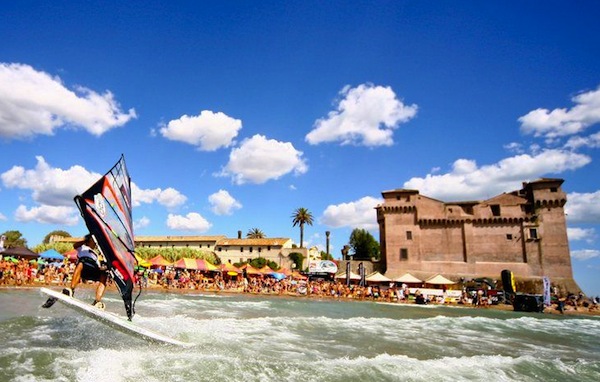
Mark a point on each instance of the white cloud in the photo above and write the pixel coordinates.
(577, 234)
(468, 181)
(222, 203)
(33, 102)
(562, 122)
(209, 131)
(51, 186)
(258, 160)
(193, 221)
(583, 207)
(141, 223)
(585, 254)
(48, 214)
(2, 216)
(577, 142)
(168, 197)
(358, 214)
(367, 115)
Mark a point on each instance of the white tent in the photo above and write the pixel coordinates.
(353, 276)
(408, 279)
(439, 280)
(377, 277)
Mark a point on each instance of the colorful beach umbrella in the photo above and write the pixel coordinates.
(204, 265)
(186, 263)
(231, 269)
(159, 261)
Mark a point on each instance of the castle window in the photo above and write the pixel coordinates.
(553, 189)
(533, 234)
(403, 254)
(268, 247)
(509, 236)
(495, 209)
(241, 249)
(250, 249)
(219, 249)
(408, 235)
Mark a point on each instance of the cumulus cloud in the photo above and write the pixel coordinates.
(576, 142)
(562, 121)
(222, 203)
(142, 222)
(51, 186)
(258, 160)
(2, 216)
(168, 197)
(193, 221)
(209, 131)
(578, 234)
(469, 181)
(48, 214)
(358, 214)
(585, 254)
(33, 102)
(366, 115)
(583, 207)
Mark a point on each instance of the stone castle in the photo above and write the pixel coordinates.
(523, 231)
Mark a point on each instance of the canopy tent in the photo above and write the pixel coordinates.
(377, 277)
(204, 265)
(298, 276)
(71, 255)
(142, 262)
(266, 270)
(159, 261)
(408, 279)
(250, 270)
(353, 276)
(439, 280)
(51, 254)
(230, 269)
(21, 252)
(186, 263)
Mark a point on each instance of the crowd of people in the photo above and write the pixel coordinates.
(30, 273)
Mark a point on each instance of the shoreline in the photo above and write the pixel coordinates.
(569, 311)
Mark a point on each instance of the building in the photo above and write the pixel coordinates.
(234, 250)
(523, 231)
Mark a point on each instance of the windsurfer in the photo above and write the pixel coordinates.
(89, 267)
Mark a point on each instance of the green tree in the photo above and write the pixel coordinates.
(297, 258)
(255, 233)
(14, 239)
(300, 217)
(55, 233)
(363, 244)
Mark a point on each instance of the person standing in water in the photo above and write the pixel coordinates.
(89, 267)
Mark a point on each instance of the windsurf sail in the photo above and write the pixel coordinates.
(106, 210)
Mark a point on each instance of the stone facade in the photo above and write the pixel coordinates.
(523, 231)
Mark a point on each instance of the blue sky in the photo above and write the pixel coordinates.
(232, 114)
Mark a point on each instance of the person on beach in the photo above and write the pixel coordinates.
(89, 267)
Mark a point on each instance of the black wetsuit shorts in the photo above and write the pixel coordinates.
(90, 271)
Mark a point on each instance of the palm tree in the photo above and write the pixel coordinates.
(300, 217)
(255, 233)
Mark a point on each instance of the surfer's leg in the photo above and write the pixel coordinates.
(76, 275)
(101, 287)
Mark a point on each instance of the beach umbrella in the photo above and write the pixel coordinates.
(439, 280)
(160, 261)
(377, 277)
(407, 278)
(71, 255)
(353, 276)
(186, 263)
(204, 265)
(51, 254)
(230, 269)
(266, 270)
(21, 252)
(142, 262)
(250, 270)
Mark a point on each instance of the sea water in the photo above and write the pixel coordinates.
(257, 338)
